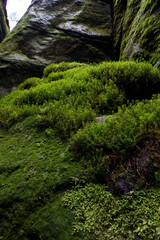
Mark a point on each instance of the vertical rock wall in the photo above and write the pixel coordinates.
(137, 30)
(3, 20)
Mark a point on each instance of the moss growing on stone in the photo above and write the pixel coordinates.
(54, 153)
(136, 29)
(3, 21)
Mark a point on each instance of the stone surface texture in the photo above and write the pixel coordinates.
(78, 30)
(3, 20)
(55, 31)
(137, 30)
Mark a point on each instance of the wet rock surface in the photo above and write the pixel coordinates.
(78, 30)
(136, 30)
(3, 20)
(55, 31)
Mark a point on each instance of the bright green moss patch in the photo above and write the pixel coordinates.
(101, 216)
(61, 67)
(30, 82)
(125, 145)
(119, 132)
(50, 141)
(98, 89)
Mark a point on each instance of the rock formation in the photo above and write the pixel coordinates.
(55, 31)
(3, 20)
(78, 30)
(137, 30)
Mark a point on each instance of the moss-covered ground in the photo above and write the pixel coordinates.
(35, 171)
(61, 172)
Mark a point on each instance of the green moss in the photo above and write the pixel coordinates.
(12, 42)
(101, 216)
(137, 35)
(155, 60)
(50, 140)
(34, 167)
(30, 82)
(150, 36)
(61, 67)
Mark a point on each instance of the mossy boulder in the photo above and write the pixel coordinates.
(3, 20)
(136, 30)
(55, 31)
(57, 163)
(78, 30)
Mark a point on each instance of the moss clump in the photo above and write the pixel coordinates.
(81, 94)
(118, 149)
(50, 140)
(101, 216)
(30, 82)
(61, 67)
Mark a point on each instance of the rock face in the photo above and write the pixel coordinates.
(137, 30)
(55, 31)
(3, 20)
(77, 30)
